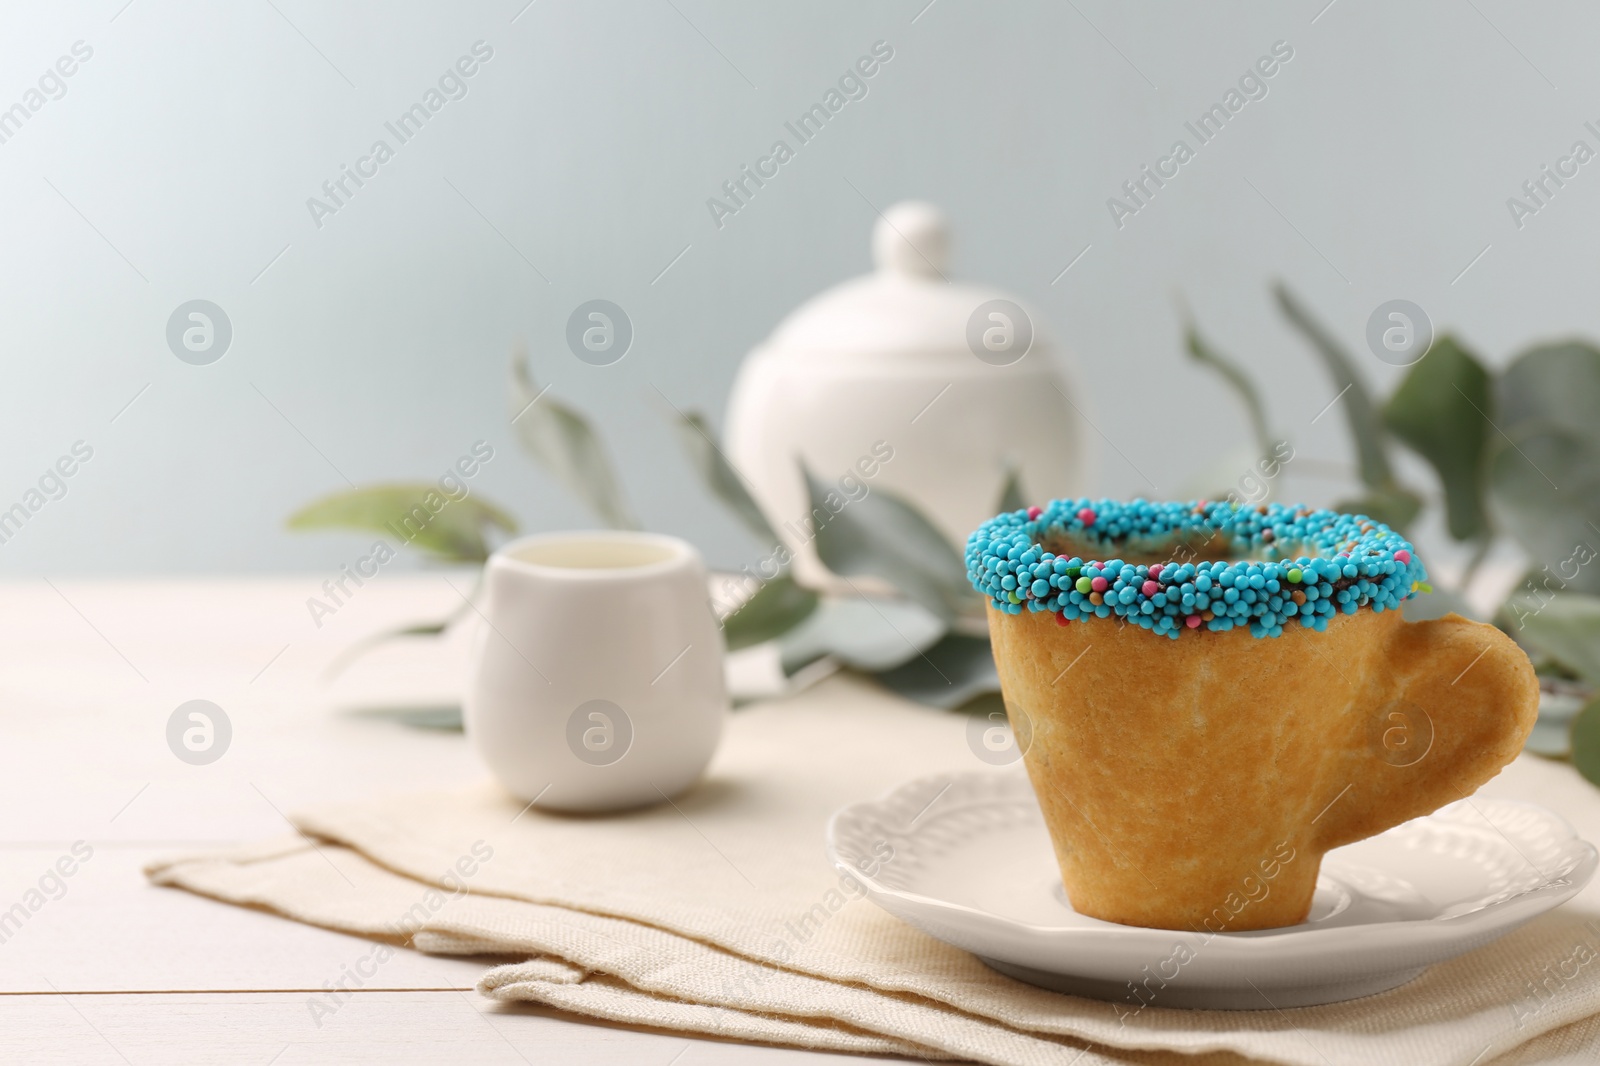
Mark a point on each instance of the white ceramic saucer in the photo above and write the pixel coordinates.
(973, 867)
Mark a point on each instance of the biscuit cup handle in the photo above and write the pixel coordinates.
(1452, 703)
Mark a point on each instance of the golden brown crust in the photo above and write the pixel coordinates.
(1196, 783)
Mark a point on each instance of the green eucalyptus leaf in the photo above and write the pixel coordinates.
(1548, 669)
(1366, 430)
(1559, 382)
(990, 705)
(1566, 627)
(372, 641)
(1586, 741)
(1012, 498)
(1394, 507)
(1544, 484)
(444, 719)
(884, 536)
(1544, 458)
(954, 671)
(1528, 597)
(425, 629)
(1441, 411)
(866, 633)
(561, 440)
(417, 513)
(1239, 381)
(719, 475)
(777, 607)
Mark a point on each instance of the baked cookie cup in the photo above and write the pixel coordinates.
(1197, 734)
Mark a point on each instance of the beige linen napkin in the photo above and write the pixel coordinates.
(719, 913)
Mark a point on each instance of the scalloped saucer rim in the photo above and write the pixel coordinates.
(1386, 908)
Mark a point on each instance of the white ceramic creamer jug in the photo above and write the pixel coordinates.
(596, 680)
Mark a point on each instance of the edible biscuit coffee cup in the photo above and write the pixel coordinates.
(1210, 699)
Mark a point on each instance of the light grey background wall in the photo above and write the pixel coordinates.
(177, 163)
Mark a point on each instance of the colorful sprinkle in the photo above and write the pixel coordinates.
(1287, 564)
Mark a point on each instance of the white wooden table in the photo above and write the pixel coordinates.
(117, 971)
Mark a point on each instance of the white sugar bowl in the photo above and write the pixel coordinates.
(954, 383)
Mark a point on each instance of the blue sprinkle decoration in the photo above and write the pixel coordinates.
(1297, 565)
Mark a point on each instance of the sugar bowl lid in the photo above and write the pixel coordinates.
(909, 309)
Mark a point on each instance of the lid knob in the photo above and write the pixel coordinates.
(913, 238)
